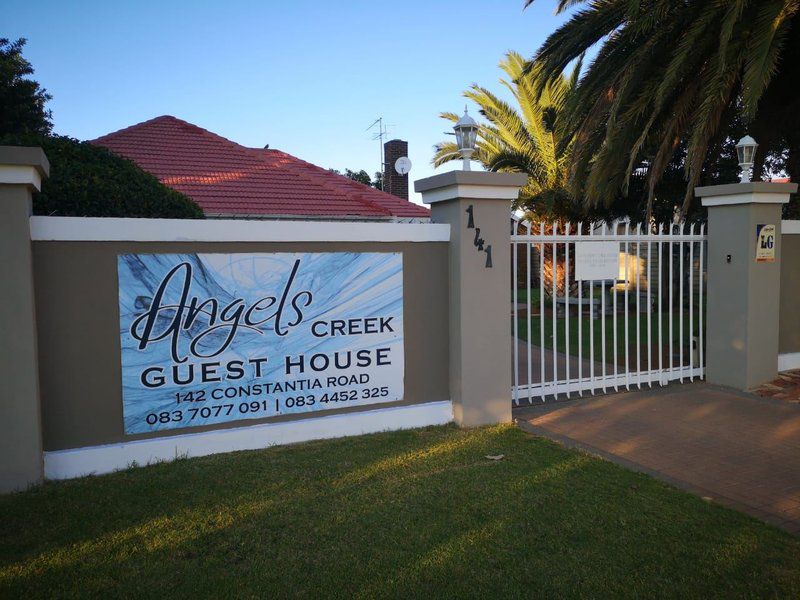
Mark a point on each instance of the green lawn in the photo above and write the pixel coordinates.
(522, 296)
(522, 329)
(536, 294)
(586, 331)
(409, 514)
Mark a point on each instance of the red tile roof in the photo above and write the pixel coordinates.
(225, 178)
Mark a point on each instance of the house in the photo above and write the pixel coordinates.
(228, 180)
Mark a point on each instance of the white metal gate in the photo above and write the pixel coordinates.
(644, 326)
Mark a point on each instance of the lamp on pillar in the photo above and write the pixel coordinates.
(466, 135)
(745, 151)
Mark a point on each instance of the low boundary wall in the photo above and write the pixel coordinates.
(789, 337)
(129, 341)
(75, 278)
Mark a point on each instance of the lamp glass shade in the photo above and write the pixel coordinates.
(466, 136)
(472, 134)
(466, 132)
(459, 137)
(746, 150)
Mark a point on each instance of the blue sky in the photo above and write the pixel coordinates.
(307, 77)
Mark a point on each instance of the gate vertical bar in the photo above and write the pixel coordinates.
(627, 310)
(670, 290)
(691, 303)
(603, 320)
(638, 308)
(541, 310)
(566, 303)
(680, 301)
(614, 333)
(591, 324)
(515, 316)
(529, 288)
(701, 308)
(649, 308)
(580, 316)
(555, 309)
(660, 310)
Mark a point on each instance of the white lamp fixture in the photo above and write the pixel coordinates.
(466, 134)
(745, 151)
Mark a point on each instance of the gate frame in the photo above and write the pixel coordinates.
(665, 235)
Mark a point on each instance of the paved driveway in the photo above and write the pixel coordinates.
(736, 449)
(560, 359)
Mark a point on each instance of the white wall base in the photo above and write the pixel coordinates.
(66, 464)
(790, 360)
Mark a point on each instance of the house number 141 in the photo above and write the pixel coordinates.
(479, 242)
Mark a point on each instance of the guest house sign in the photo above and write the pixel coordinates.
(211, 338)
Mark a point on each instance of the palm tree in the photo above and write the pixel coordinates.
(525, 139)
(668, 75)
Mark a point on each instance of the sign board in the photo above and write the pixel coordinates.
(596, 260)
(213, 338)
(765, 243)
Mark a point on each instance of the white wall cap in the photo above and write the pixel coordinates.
(20, 175)
(23, 165)
(86, 229)
(483, 185)
(747, 198)
(470, 192)
(752, 192)
(790, 227)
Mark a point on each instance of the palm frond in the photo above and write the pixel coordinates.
(666, 73)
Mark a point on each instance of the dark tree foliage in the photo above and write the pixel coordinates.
(672, 78)
(22, 100)
(90, 181)
(361, 177)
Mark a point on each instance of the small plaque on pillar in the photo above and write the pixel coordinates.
(765, 243)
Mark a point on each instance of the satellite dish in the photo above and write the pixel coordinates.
(402, 165)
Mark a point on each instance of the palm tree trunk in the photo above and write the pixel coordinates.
(555, 272)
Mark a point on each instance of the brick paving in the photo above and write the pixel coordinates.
(785, 387)
(560, 359)
(737, 449)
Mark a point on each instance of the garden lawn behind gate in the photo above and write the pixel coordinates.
(412, 513)
(684, 326)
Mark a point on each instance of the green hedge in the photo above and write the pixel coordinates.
(91, 181)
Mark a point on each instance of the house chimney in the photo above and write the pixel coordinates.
(393, 182)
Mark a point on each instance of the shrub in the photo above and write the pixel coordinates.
(91, 181)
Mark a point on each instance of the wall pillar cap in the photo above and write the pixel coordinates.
(752, 192)
(23, 165)
(476, 185)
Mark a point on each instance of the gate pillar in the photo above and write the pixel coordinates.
(21, 172)
(744, 252)
(477, 206)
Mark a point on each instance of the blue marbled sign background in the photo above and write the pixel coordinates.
(344, 286)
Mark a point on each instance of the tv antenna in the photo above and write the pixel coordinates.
(380, 132)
